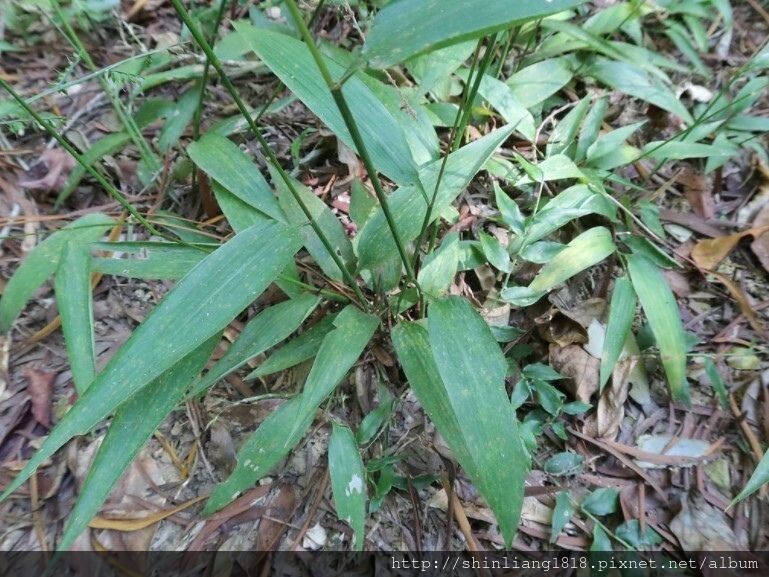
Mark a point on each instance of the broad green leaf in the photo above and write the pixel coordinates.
(562, 514)
(601, 541)
(296, 351)
(472, 368)
(537, 82)
(224, 162)
(566, 130)
(440, 267)
(284, 428)
(412, 345)
(638, 83)
(292, 62)
(759, 478)
(556, 167)
(509, 210)
(198, 307)
(375, 244)
(661, 310)
(324, 218)
(240, 214)
(602, 501)
(132, 426)
(151, 260)
(502, 99)
(621, 313)
(348, 481)
(437, 65)
(362, 203)
(591, 128)
(607, 151)
(404, 29)
(72, 286)
(265, 330)
(676, 150)
(574, 202)
(562, 464)
(179, 117)
(43, 261)
(589, 248)
(495, 253)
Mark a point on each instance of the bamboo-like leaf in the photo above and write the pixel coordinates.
(457, 371)
(589, 248)
(43, 261)
(284, 428)
(292, 62)
(224, 162)
(325, 219)
(297, 350)
(758, 479)
(375, 243)
(621, 312)
(440, 267)
(660, 307)
(73, 296)
(158, 260)
(404, 29)
(201, 305)
(348, 481)
(132, 426)
(265, 330)
(473, 368)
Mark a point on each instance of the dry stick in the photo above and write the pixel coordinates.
(314, 507)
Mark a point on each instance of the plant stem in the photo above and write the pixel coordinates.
(349, 120)
(78, 157)
(216, 63)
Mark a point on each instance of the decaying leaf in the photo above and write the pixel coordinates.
(39, 389)
(581, 369)
(710, 252)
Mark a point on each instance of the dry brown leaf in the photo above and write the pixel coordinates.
(277, 519)
(699, 525)
(59, 163)
(133, 522)
(582, 369)
(697, 191)
(760, 246)
(611, 405)
(39, 390)
(709, 252)
(742, 300)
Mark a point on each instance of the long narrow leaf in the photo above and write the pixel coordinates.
(292, 62)
(621, 312)
(348, 481)
(265, 330)
(223, 161)
(404, 29)
(759, 478)
(660, 307)
(42, 262)
(284, 428)
(133, 424)
(201, 305)
(73, 296)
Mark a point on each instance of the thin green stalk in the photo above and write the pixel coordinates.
(78, 157)
(216, 63)
(144, 150)
(196, 118)
(349, 120)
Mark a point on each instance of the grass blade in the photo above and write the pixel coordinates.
(404, 29)
(132, 426)
(758, 479)
(660, 307)
(43, 261)
(348, 481)
(159, 260)
(216, 290)
(72, 286)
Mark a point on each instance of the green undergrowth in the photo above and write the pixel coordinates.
(431, 103)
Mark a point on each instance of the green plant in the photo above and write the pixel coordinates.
(397, 271)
